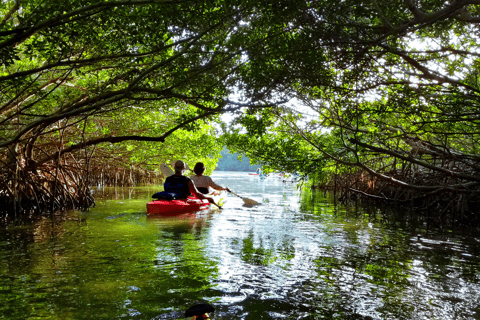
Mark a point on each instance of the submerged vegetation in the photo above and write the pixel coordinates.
(374, 99)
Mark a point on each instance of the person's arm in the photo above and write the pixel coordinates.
(195, 192)
(215, 186)
(199, 195)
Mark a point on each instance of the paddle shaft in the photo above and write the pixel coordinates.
(246, 201)
(235, 194)
(213, 202)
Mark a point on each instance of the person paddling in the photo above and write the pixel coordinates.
(183, 186)
(203, 182)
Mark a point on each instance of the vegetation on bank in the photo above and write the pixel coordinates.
(377, 99)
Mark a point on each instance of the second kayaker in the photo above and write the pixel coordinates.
(183, 186)
(203, 182)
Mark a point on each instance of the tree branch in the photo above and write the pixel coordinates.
(21, 34)
(412, 160)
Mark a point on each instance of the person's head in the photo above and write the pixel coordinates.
(179, 166)
(199, 168)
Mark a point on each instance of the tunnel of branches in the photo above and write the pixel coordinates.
(374, 77)
(28, 188)
(445, 197)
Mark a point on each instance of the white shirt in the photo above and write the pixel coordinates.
(205, 182)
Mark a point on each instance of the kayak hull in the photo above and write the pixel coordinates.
(173, 207)
(176, 206)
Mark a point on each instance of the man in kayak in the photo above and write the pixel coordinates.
(203, 182)
(183, 186)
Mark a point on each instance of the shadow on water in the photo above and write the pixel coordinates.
(295, 256)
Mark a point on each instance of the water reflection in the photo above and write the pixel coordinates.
(296, 256)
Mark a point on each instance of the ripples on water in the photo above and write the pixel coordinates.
(296, 256)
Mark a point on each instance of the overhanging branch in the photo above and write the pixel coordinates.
(412, 160)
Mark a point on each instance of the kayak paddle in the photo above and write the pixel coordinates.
(166, 171)
(213, 202)
(246, 201)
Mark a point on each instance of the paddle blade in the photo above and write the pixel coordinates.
(246, 201)
(250, 202)
(166, 171)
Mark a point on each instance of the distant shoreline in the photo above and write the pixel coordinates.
(216, 169)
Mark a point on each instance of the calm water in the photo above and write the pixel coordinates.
(296, 256)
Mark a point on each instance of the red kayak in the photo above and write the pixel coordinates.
(253, 174)
(176, 206)
(173, 207)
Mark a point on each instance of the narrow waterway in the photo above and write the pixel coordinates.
(295, 256)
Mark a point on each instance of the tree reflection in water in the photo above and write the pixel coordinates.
(296, 256)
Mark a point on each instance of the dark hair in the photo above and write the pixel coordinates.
(199, 168)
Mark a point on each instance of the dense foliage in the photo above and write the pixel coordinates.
(383, 93)
(85, 85)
